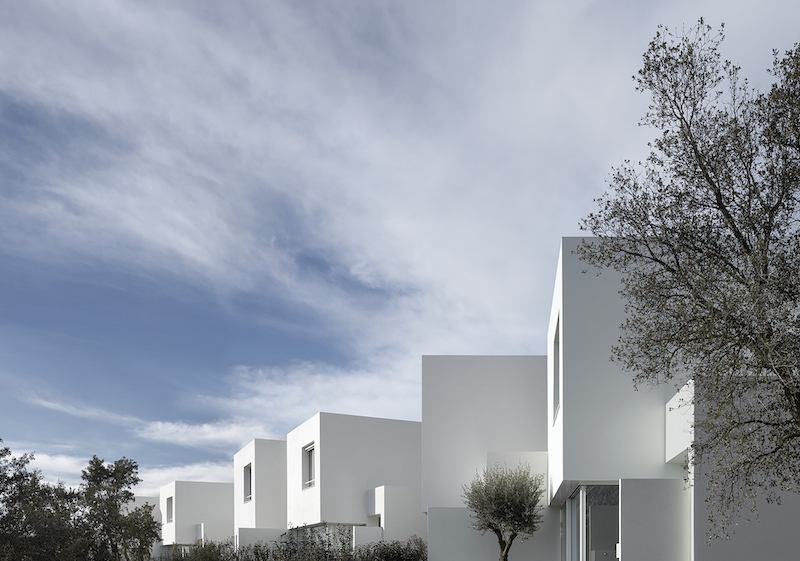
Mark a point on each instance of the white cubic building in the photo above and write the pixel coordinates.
(259, 491)
(194, 511)
(613, 457)
(478, 411)
(355, 471)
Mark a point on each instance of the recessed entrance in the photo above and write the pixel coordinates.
(590, 522)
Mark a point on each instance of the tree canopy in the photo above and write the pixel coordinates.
(40, 521)
(506, 502)
(705, 234)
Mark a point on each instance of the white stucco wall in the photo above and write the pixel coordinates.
(679, 414)
(253, 536)
(770, 534)
(655, 520)
(303, 503)
(604, 430)
(400, 512)
(266, 507)
(352, 456)
(361, 453)
(473, 406)
(451, 538)
(194, 504)
(363, 535)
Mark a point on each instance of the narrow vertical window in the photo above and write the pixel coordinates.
(308, 465)
(248, 482)
(556, 370)
(169, 509)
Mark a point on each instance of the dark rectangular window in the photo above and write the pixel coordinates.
(308, 465)
(248, 482)
(557, 370)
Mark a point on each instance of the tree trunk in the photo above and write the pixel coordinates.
(505, 545)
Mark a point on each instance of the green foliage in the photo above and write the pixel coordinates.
(40, 521)
(207, 551)
(707, 238)
(116, 533)
(506, 502)
(327, 543)
(36, 519)
(414, 549)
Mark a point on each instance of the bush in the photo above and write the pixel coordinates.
(414, 549)
(325, 543)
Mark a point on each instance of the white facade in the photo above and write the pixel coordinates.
(193, 510)
(478, 411)
(474, 405)
(259, 490)
(613, 457)
(342, 468)
(599, 429)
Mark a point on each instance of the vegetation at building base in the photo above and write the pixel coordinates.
(42, 522)
(706, 236)
(506, 502)
(304, 544)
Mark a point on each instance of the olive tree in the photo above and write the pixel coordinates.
(706, 236)
(506, 502)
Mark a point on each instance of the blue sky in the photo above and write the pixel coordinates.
(217, 219)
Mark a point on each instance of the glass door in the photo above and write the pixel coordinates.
(591, 524)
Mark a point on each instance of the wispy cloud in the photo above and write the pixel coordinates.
(283, 397)
(227, 434)
(390, 178)
(83, 411)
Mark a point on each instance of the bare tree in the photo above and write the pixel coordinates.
(506, 502)
(705, 234)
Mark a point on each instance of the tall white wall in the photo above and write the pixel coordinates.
(451, 538)
(400, 512)
(655, 520)
(679, 415)
(604, 429)
(195, 504)
(266, 506)
(770, 534)
(353, 455)
(473, 406)
(359, 454)
(303, 503)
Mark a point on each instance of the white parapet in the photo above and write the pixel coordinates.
(679, 425)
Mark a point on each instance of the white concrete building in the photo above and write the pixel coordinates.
(612, 456)
(355, 471)
(259, 491)
(193, 510)
(477, 411)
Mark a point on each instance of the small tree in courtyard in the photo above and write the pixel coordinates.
(507, 503)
